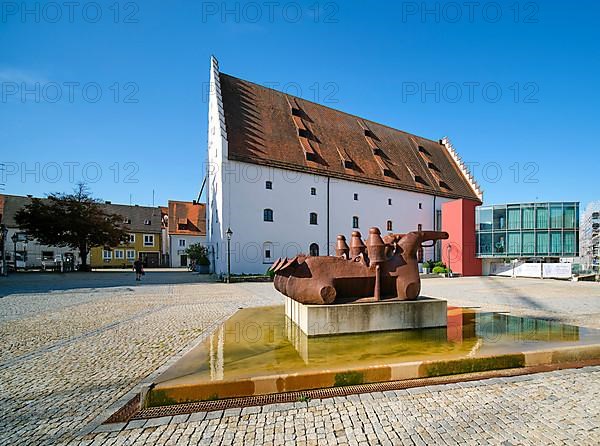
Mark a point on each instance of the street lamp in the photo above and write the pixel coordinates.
(4, 232)
(229, 233)
(15, 238)
(449, 254)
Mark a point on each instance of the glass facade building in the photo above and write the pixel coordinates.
(528, 230)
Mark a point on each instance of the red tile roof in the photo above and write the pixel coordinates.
(271, 128)
(191, 215)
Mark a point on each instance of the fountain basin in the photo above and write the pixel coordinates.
(259, 351)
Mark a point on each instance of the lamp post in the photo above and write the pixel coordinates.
(4, 233)
(14, 239)
(229, 233)
(449, 252)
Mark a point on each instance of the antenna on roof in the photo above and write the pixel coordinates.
(130, 199)
(152, 197)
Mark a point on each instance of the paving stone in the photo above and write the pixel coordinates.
(155, 422)
(177, 419)
(70, 354)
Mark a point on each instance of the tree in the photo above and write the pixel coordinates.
(198, 253)
(76, 220)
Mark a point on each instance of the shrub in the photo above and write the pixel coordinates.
(198, 253)
(439, 270)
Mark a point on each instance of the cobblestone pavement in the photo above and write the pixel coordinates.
(576, 303)
(69, 354)
(549, 408)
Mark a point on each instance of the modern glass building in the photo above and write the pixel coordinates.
(544, 231)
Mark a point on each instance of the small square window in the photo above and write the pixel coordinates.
(313, 191)
(181, 243)
(355, 197)
(267, 254)
(269, 185)
(148, 240)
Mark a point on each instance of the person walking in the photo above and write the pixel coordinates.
(138, 267)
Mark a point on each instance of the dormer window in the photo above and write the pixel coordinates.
(423, 150)
(420, 180)
(296, 112)
(304, 133)
(127, 221)
(444, 185)
(147, 222)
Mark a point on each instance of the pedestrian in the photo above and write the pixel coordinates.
(138, 267)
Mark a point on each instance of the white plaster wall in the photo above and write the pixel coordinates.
(245, 197)
(175, 248)
(34, 250)
(217, 152)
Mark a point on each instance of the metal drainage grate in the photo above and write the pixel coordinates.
(291, 397)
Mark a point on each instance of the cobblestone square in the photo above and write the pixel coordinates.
(70, 353)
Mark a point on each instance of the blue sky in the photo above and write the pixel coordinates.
(114, 94)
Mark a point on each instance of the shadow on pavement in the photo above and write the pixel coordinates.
(36, 282)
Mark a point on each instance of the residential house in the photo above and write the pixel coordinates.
(144, 224)
(29, 253)
(187, 226)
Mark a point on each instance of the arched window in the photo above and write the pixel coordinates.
(314, 249)
(267, 252)
(313, 191)
(268, 214)
(419, 227)
(355, 222)
(389, 225)
(313, 218)
(269, 185)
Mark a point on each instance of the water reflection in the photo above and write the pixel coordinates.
(262, 341)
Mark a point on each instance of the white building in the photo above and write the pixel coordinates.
(187, 227)
(287, 176)
(589, 238)
(30, 254)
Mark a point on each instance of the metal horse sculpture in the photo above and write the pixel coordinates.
(384, 267)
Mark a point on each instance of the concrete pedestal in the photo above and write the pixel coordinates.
(318, 320)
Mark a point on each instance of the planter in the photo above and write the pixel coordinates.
(425, 270)
(203, 269)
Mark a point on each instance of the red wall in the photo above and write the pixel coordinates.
(458, 220)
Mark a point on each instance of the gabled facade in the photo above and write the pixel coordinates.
(187, 226)
(144, 224)
(287, 175)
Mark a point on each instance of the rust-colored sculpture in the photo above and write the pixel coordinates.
(384, 267)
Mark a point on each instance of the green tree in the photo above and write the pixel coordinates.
(76, 220)
(198, 253)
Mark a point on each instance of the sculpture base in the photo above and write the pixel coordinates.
(364, 317)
